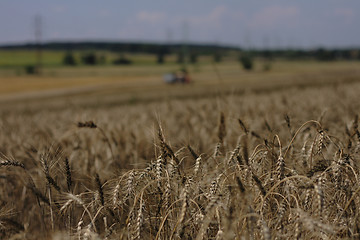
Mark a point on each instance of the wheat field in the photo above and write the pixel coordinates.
(280, 164)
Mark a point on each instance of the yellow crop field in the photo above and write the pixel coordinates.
(115, 153)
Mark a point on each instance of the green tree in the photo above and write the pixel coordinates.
(193, 57)
(160, 57)
(322, 54)
(69, 59)
(267, 58)
(161, 53)
(89, 59)
(122, 60)
(246, 61)
(30, 69)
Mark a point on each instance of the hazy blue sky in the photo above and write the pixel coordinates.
(302, 23)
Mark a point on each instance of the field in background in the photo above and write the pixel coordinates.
(144, 78)
(54, 58)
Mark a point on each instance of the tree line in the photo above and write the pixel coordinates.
(189, 53)
(194, 50)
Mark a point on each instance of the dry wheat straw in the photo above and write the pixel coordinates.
(197, 165)
(116, 195)
(100, 189)
(139, 219)
(244, 149)
(159, 170)
(222, 128)
(167, 193)
(265, 230)
(12, 163)
(288, 123)
(217, 150)
(243, 127)
(193, 153)
(234, 154)
(184, 196)
(258, 184)
(38, 194)
(68, 174)
(320, 197)
(207, 219)
(129, 186)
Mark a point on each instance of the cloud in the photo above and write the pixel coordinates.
(212, 19)
(344, 12)
(201, 26)
(143, 25)
(150, 17)
(272, 16)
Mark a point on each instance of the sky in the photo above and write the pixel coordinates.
(244, 23)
